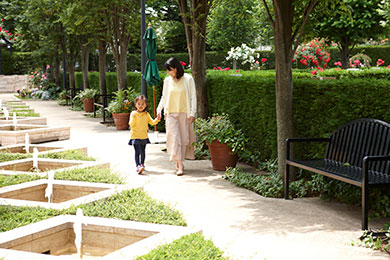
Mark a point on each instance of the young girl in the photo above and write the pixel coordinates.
(139, 120)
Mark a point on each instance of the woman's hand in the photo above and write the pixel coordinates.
(192, 119)
(159, 116)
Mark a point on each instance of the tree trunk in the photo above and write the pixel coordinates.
(121, 66)
(71, 66)
(198, 68)
(57, 71)
(345, 51)
(84, 61)
(102, 67)
(283, 86)
(194, 21)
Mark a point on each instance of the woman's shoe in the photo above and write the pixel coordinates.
(179, 172)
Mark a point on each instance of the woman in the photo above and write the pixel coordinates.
(179, 103)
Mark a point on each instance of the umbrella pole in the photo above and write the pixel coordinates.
(154, 106)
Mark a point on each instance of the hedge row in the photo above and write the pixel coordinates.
(320, 106)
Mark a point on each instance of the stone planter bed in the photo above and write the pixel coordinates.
(9, 134)
(101, 238)
(45, 165)
(65, 193)
(24, 120)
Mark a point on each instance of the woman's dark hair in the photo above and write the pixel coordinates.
(141, 97)
(173, 63)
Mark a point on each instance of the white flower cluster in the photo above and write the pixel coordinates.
(244, 53)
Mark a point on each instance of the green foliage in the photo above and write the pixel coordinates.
(133, 205)
(220, 128)
(86, 93)
(376, 240)
(362, 21)
(122, 102)
(270, 185)
(232, 23)
(193, 246)
(90, 174)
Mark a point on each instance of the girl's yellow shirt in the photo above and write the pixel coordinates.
(139, 124)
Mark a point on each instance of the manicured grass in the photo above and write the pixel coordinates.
(133, 205)
(193, 246)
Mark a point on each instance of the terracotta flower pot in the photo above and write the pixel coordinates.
(221, 156)
(88, 105)
(121, 120)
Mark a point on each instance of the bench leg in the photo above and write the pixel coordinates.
(286, 182)
(364, 206)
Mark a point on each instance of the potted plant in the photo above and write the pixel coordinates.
(222, 139)
(120, 108)
(86, 96)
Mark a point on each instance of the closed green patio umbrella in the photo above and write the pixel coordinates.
(151, 73)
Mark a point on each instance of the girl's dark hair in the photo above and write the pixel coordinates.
(173, 63)
(141, 97)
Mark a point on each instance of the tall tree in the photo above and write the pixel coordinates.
(364, 22)
(288, 18)
(122, 16)
(232, 23)
(194, 15)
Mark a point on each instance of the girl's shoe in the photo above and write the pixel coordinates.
(140, 169)
(143, 167)
(179, 172)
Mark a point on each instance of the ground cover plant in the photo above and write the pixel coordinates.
(376, 240)
(66, 155)
(7, 180)
(193, 246)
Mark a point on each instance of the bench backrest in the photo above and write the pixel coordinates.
(356, 139)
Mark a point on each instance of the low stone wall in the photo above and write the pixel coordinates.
(10, 83)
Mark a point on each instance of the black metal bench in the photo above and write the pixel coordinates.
(101, 100)
(357, 153)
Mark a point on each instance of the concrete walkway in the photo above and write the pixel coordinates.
(240, 222)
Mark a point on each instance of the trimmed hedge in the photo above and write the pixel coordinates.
(320, 106)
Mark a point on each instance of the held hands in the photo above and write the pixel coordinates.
(192, 119)
(159, 116)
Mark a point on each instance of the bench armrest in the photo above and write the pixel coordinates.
(373, 158)
(366, 160)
